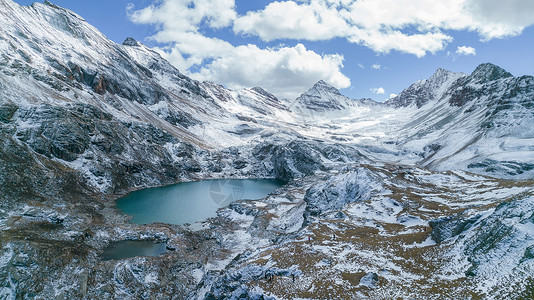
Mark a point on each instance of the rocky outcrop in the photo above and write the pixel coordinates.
(511, 168)
(424, 91)
(445, 228)
(488, 72)
(233, 284)
(338, 190)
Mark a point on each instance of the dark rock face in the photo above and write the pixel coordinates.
(177, 117)
(506, 167)
(489, 72)
(369, 280)
(463, 94)
(62, 133)
(129, 41)
(25, 176)
(109, 149)
(299, 158)
(7, 110)
(232, 284)
(292, 160)
(445, 228)
(501, 235)
(338, 190)
(424, 91)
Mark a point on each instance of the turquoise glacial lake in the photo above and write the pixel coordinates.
(190, 202)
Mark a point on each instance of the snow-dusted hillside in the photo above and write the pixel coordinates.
(482, 123)
(382, 200)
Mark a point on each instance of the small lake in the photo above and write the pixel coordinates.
(190, 202)
(127, 249)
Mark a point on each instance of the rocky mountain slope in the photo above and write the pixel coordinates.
(381, 199)
(480, 122)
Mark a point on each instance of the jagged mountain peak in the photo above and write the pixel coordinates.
(323, 86)
(130, 41)
(48, 3)
(47, 21)
(322, 96)
(488, 72)
(441, 74)
(264, 93)
(426, 90)
(58, 9)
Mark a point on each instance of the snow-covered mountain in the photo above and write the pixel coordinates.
(324, 101)
(425, 90)
(323, 97)
(386, 190)
(480, 122)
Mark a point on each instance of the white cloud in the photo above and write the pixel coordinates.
(178, 23)
(497, 18)
(361, 66)
(186, 15)
(376, 66)
(392, 96)
(378, 91)
(284, 71)
(412, 26)
(317, 20)
(466, 50)
(416, 44)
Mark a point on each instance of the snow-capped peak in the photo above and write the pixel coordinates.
(323, 87)
(441, 75)
(130, 41)
(266, 94)
(426, 90)
(323, 97)
(488, 72)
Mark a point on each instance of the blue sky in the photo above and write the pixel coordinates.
(364, 47)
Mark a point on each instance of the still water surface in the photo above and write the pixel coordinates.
(126, 249)
(190, 202)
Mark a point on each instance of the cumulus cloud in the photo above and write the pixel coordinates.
(378, 91)
(411, 26)
(466, 50)
(392, 96)
(317, 20)
(185, 15)
(497, 19)
(376, 66)
(178, 23)
(284, 71)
